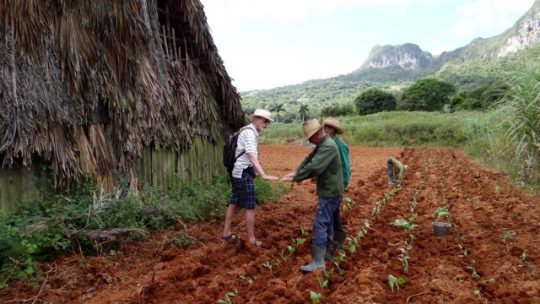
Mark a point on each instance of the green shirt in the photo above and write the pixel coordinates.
(345, 162)
(323, 163)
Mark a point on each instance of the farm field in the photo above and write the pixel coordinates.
(492, 254)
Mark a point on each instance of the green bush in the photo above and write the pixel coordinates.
(374, 101)
(56, 224)
(336, 110)
(428, 94)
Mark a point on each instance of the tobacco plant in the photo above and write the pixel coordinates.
(315, 297)
(227, 297)
(394, 282)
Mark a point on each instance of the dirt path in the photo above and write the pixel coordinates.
(491, 256)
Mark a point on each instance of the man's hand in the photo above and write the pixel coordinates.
(288, 177)
(269, 177)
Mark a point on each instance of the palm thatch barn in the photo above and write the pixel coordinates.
(131, 89)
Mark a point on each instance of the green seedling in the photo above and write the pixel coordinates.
(299, 241)
(376, 209)
(474, 273)
(247, 279)
(527, 263)
(408, 246)
(267, 265)
(441, 212)
(347, 203)
(315, 297)
(404, 258)
(303, 231)
(325, 280)
(227, 297)
(464, 251)
(394, 282)
(341, 271)
(367, 224)
(507, 234)
(404, 224)
(351, 245)
(282, 254)
(340, 257)
(361, 233)
(291, 249)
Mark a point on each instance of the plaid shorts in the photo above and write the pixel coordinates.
(243, 191)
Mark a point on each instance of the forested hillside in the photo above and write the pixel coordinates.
(393, 68)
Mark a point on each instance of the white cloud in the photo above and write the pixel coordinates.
(230, 13)
(256, 64)
(488, 15)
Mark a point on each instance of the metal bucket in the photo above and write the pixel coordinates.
(441, 228)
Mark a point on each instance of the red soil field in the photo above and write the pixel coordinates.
(490, 256)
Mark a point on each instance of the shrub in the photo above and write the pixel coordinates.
(428, 94)
(375, 100)
(337, 110)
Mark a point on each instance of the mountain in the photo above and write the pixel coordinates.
(395, 66)
(407, 56)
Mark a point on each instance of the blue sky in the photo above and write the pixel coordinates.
(270, 43)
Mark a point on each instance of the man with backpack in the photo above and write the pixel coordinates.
(245, 167)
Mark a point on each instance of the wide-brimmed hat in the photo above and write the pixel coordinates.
(311, 127)
(263, 113)
(334, 123)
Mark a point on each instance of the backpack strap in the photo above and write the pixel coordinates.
(240, 132)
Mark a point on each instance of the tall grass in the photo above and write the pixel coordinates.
(388, 129)
(523, 126)
(505, 138)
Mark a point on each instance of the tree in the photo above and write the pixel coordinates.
(340, 109)
(375, 100)
(303, 111)
(278, 107)
(428, 94)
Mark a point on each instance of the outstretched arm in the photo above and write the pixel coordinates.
(258, 168)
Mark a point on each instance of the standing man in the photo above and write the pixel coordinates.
(324, 164)
(245, 169)
(335, 241)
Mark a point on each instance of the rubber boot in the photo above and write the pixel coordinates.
(317, 259)
(331, 247)
(339, 238)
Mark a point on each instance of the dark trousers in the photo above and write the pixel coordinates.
(390, 166)
(337, 221)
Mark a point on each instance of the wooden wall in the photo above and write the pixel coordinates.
(156, 168)
(167, 168)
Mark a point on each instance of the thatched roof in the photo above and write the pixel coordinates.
(148, 71)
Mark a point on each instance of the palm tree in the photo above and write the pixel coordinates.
(303, 111)
(278, 107)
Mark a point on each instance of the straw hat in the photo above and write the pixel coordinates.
(263, 113)
(310, 128)
(334, 123)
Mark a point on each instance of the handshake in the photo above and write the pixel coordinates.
(286, 178)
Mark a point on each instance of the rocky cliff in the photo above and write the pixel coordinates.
(407, 56)
(525, 32)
